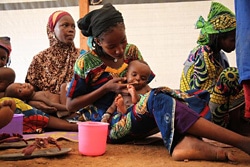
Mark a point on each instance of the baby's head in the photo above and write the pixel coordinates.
(7, 77)
(138, 72)
(23, 91)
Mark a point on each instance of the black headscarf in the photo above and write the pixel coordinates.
(97, 21)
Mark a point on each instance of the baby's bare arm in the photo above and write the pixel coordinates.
(49, 99)
(42, 106)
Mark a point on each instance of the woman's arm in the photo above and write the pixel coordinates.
(74, 104)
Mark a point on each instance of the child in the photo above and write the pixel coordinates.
(53, 103)
(7, 108)
(137, 78)
(5, 49)
(7, 77)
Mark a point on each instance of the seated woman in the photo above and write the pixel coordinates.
(7, 75)
(53, 104)
(5, 50)
(58, 59)
(207, 67)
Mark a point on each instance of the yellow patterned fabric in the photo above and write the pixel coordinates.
(19, 103)
(202, 70)
(206, 71)
(220, 19)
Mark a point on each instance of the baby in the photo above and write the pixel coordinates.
(137, 78)
(50, 103)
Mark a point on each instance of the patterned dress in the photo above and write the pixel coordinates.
(54, 66)
(156, 111)
(202, 70)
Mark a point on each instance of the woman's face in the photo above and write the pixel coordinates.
(228, 43)
(3, 57)
(65, 29)
(114, 41)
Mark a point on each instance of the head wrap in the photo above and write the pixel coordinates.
(97, 21)
(5, 44)
(220, 19)
(53, 19)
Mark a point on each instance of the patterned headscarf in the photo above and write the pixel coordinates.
(53, 19)
(5, 44)
(53, 66)
(97, 21)
(220, 19)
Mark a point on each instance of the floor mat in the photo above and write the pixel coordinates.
(71, 136)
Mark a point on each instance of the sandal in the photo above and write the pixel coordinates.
(29, 151)
(12, 141)
(51, 152)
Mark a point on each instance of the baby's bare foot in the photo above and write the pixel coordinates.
(119, 102)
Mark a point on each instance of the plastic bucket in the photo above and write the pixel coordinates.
(92, 138)
(15, 125)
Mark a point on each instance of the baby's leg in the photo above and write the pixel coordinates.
(191, 148)
(119, 101)
(133, 94)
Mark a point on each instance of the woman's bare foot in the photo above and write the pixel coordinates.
(191, 148)
(119, 102)
(133, 93)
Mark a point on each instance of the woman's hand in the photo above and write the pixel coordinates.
(116, 85)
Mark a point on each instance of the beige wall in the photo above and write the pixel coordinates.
(163, 32)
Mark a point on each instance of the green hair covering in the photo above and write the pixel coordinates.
(220, 19)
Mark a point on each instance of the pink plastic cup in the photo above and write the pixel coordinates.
(92, 138)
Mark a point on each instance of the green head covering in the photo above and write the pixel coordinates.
(220, 19)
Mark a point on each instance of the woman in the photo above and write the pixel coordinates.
(7, 75)
(54, 66)
(207, 67)
(95, 84)
(5, 50)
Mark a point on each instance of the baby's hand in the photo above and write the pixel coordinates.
(50, 109)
